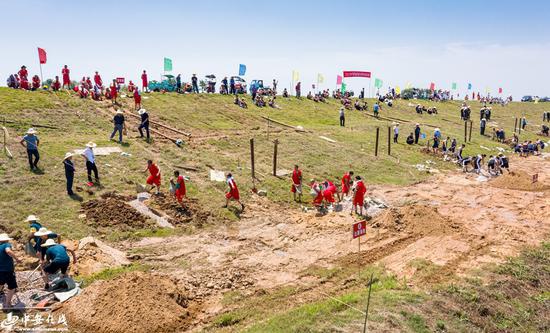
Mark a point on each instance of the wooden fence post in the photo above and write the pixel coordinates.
(376, 144)
(470, 134)
(252, 158)
(465, 131)
(389, 140)
(276, 143)
(515, 125)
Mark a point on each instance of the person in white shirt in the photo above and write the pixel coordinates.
(395, 133)
(90, 162)
(342, 117)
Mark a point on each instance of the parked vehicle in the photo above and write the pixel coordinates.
(210, 83)
(260, 88)
(544, 99)
(167, 84)
(527, 99)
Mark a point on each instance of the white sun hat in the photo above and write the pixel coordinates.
(67, 155)
(4, 238)
(91, 144)
(48, 243)
(31, 131)
(142, 111)
(32, 218)
(119, 111)
(42, 232)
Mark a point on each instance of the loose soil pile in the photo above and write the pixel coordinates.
(518, 180)
(95, 256)
(415, 219)
(192, 213)
(135, 302)
(113, 210)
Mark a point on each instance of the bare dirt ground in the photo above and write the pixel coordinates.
(453, 221)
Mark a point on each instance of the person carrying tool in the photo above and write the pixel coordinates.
(56, 259)
(154, 175)
(31, 142)
(7, 269)
(144, 123)
(359, 190)
(346, 182)
(178, 185)
(296, 183)
(233, 192)
(34, 226)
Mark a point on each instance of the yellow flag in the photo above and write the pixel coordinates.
(320, 78)
(487, 90)
(398, 90)
(295, 76)
(409, 85)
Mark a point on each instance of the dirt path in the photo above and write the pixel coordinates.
(452, 221)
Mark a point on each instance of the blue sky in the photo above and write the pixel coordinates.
(488, 43)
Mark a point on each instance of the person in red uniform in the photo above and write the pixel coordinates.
(23, 74)
(24, 83)
(178, 184)
(233, 192)
(35, 82)
(329, 189)
(89, 84)
(359, 191)
(316, 192)
(296, 182)
(137, 99)
(154, 175)
(97, 79)
(131, 86)
(56, 85)
(346, 183)
(66, 79)
(144, 82)
(114, 92)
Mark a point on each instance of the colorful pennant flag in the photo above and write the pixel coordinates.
(453, 86)
(242, 69)
(338, 79)
(343, 88)
(320, 78)
(167, 64)
(469, 86)
(500, 90)
(295, 76)
(42, 56)
(378, 83)
(398, 90)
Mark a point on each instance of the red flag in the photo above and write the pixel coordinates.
(338, 79)
(432, 86)
(42, 55)
(356, 74)
(500, 90)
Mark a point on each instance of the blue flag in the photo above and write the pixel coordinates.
(469, 86)
(242, 69)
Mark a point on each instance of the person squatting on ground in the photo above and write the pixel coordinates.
(154, 175)
(56, 260)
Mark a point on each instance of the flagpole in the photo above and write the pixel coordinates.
(370, 92)
(41, 78)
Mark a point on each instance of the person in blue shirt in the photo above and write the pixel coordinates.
(34, 226)
(31, 142)
(43, 235)
(56, 259)
(7, 269)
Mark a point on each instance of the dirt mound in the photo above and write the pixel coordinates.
(518, 180)
(95, 256)
(134, 302)
(192, 213)
(416, 219)
(113, 210)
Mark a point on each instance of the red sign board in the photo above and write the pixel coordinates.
(120, 80)
(359, 229)
(356, 74)
(535, 177)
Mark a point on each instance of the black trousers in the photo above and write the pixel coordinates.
(342, 121)
(416, 137)
(70, 180)
(34, 157)
(89, 168)
(146, 127)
